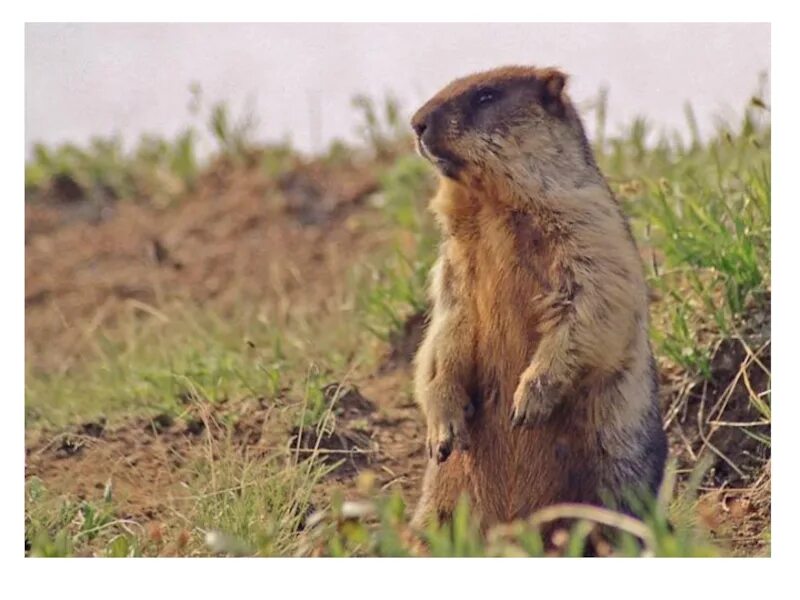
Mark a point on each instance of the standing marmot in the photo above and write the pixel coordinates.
(536, 371)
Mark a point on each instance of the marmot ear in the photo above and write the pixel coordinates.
(553, 82)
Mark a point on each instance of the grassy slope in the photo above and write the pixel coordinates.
(700, 210)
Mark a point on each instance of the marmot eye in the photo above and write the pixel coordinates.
(485, 96)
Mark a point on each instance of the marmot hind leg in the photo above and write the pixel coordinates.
(442, 486)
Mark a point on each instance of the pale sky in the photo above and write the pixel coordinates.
(96, 79)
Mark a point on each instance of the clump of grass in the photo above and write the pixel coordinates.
(156, 171)
(58, 527)
(233, 136)
(246, 506)
(178, 158)
(397, 286)
(339, 153)
(278, 159)
(706, 208)
(382, 128)
(716, 246)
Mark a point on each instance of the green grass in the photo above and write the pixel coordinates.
(57, 527)
(254, 506)
(152, 366)
(155, 171)
(398, 281)
(699, 209)
(704, 210)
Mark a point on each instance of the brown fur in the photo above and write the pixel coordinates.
(539, 310)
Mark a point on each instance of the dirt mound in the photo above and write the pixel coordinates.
(719, 418)
(240, 236)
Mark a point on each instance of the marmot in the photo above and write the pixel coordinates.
(535, 371)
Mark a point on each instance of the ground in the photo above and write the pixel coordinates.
(235, 362)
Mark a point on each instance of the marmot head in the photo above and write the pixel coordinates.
(509, 123)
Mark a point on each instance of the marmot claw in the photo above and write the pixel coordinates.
(534, 401)
(446, 433)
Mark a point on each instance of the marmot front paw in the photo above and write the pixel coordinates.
(534, 401)
(447, 430)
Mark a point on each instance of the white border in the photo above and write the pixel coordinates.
(408, 11)
(281, 578)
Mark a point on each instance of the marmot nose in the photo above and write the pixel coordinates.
(420, 127)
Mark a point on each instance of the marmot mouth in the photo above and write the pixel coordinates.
(447, 164)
